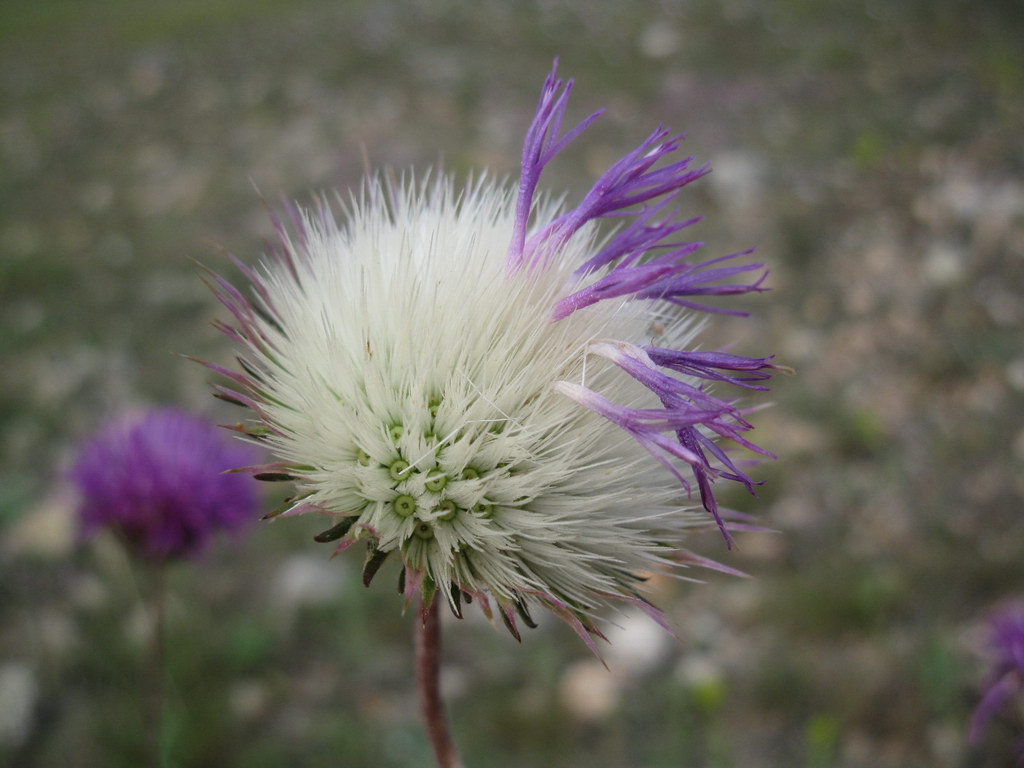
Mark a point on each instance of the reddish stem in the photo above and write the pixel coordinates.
(428, 665)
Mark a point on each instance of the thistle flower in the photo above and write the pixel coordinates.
(156, 478)
(482, 382)
(1005, 684)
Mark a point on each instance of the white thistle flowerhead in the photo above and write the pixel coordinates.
(487, 387)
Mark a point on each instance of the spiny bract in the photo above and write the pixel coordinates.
(419, 370)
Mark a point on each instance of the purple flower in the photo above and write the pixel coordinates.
(1005, 683)
(157, 479)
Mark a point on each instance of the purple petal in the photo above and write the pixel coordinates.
(539, 148)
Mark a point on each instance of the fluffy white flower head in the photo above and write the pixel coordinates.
(470, 379)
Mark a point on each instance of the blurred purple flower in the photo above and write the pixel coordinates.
(157, 479)
(1005, 683)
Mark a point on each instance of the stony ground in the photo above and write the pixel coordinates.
(871, 150)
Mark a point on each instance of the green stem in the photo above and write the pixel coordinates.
(155, 707)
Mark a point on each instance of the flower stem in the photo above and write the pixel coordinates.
(428, 665)
(156, 671)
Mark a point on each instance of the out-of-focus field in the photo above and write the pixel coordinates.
(871, 150)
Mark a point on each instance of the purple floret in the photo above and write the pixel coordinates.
(157, 479)
(643, 261)
(1005, 682)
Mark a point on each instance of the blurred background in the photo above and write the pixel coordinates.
(870, 149)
